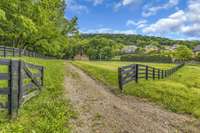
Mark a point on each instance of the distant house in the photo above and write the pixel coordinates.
(129, 49)
(174, 47)
(166, 47)
(150, 48)
(196, 50)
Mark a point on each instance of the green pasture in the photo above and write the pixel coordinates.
(47, 112)
(179, 93)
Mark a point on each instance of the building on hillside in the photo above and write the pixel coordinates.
(174, 47)
(129, 49)
(196, 50)
(150, 48)
(167, 48)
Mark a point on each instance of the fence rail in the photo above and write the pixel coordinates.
(135, 72)
(10, 51)
(24, 80)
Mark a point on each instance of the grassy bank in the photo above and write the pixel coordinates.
(47, 113)
(180, 93)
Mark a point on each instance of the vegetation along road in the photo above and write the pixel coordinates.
(101, 111)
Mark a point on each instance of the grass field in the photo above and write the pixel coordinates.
(179, 93)
(48, 112)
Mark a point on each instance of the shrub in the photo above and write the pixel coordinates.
(146, 58)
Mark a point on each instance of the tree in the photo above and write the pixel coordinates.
(183, 53)
(37, 25)
(198, 57)
(98, 48)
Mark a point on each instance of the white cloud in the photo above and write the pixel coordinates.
(108, 30)
(96, 2)
(124, 3)
(152, 10)
(74, 6)
(171, 23)
(183, 22)
(139, 24)
(128, 2)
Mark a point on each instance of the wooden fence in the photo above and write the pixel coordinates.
(10, 51)
(23, 81)
(135, 72)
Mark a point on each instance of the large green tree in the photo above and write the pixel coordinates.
(37, 25)
(183, 53)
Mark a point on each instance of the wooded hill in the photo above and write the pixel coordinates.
(141, 40)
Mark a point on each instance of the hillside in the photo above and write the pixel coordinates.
(141, 40)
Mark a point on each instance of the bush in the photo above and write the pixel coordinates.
(146, 58)
(197, 58)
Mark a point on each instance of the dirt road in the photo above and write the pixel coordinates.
(100, 111)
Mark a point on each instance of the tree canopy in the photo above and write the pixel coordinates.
(183, 53)
(142, 41)
(37, 25)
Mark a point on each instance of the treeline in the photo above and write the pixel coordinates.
(142, 41)
(36, 25)
(96, 48)
(41, 26)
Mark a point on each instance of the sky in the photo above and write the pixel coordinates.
(175, 19)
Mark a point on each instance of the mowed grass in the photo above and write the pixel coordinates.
(179, 93)
(48, 112)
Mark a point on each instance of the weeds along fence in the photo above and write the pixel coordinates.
(17, 52)
(21, 82)
(135, 72)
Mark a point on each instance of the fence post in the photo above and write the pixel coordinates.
(13, 88)
(136, 72)
(20, 82)
(42, 76)
(158, 73)
(13, 50)
(4, 51)
(162, 74)
(147, 72)
(120, 78)
(153, 74)
(20, 52)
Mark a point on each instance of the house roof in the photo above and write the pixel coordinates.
(197, 48)
(129, 49)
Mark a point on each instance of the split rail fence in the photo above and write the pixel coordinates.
(10, 51)
(135, 72)
(23, 81)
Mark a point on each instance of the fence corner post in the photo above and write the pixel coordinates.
(120, 78)
(13, 89)
(20, 82)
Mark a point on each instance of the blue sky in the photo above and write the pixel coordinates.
(176, 19)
